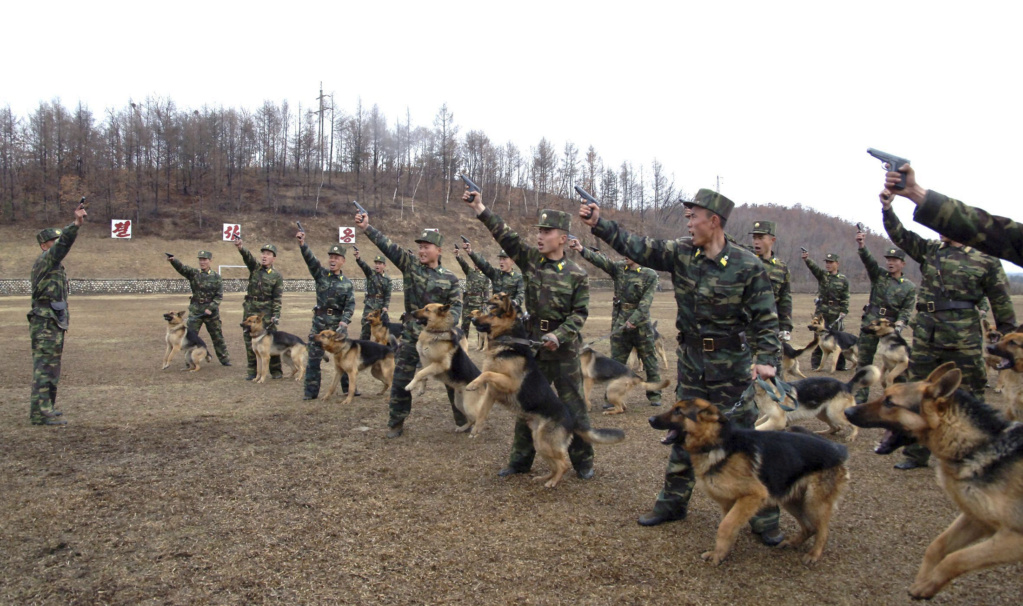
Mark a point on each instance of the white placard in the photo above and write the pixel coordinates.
(231, 231)
(346, 235)
(120, 229)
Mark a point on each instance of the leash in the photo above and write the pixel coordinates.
(779, 391)
(517, 341)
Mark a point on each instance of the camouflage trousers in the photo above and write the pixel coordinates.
(47, 347)
(405, 363)
(642, 338)
(925, 359)
(250, 356)
(315, 351)
(679, 478)
(366, 329)
(212, 322)
(866, 347)
(566, 375)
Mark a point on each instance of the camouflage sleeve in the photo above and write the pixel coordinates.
(249, 260)
(996, 288)
(385, 292)
(815, 269)
(454, 298)
(906, 305)
(642, 311)
(519, 296)
(346, 315)
(572, 326)
(874, 271)
(366, 269)
(277, 294)
(464, 265)
(401, 258)
(658, 255)
(599, 260)
(508, 239)
(311, 261)
(184, 270)
(914, 245)
(762, 330)
(61, 247)
(488, 270)
(843, 296)
(991, 234)
(784, 303)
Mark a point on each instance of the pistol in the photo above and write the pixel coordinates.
(464, 239)
(355, 248)
(300, 228)
(589, 199)
(236, 236)
(169, 255)
(82, 204)
(473, 188)
(802, 248)
(893, 162)
(861, 228)
(361, 209)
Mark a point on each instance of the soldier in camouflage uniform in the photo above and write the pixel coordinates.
(724, 298)
(477, 291)
(558, 295)
(204, 306)
(378, 291)
(504, 277)
(954, 281)
(335, 304)
(263, 296)
(48, 319)
(630, 313)
(891, 296)
(425, 281)
(764, 238)
(832, 299)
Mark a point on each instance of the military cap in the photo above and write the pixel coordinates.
(379, 259)
(555, 219)
(269, 247)
(712, 201)
(763, 227)
(502, 255)
(432, 237)
(50, 233)
(831, 257)
(896, 253)
(205, 254)
(337, 249)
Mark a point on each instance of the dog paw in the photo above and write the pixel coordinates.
(712, 557)
(810, 559)
(923, 590)
(614, 411)
(409, 387)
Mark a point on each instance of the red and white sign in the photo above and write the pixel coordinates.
(120, 229)
(346, 235)
(231, 231)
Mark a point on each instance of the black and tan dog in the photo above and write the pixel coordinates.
(512, 378)
(790, 356)
(833, 343)
(1009, 351)
(352, 355)
(620, 379)
(633, 361)
(384, 333)
(823, 397)
(180, 336)
(980, 466)
(744, 470)
(892, 348)
(267, 343)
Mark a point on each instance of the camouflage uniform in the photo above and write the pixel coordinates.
(954, 281)
(509, 282)
(476, 294)
(778, 273)
(335, 303)
(48, 321)
(207, 293)
(378, 294)
(832, 301)
(263, 296)
(991, 234)
(422, 285)
(891, 298)
(721, 301)
(634, 292)
(558, 293)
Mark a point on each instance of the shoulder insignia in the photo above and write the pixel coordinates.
(724, 261)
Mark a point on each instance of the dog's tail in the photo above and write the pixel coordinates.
(864, 377)
(795, 353)
(651, 386)
(600, 436)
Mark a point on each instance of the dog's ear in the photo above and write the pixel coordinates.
(937, 373)
(443, 309)
(946, 384)
(985, 325)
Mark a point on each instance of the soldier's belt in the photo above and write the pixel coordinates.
(545, 326)
(258, 299)
(201, 301)
(716, 343)
(832, 302)
(884, 312)
(944, 305)
(626, 306)
(326, 311)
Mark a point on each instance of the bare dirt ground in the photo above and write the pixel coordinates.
(179, 488)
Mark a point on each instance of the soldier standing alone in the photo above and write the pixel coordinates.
(263, 296)
(204, 306)
(335, 304)
(378, 291)
(832, 299)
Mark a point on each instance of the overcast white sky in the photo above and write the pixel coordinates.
(779, 99)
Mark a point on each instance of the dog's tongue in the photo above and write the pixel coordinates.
(671, 437)
(887, 444)
(1004, 363)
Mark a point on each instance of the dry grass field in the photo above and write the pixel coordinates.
(183, 488)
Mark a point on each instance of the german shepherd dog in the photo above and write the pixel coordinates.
(352, 355)
(384, 333)
(980, 466)
(893, 349)
(620, 379)
(511, 377)
(745, 470)
(180, 336)
(266, 343)
(833, 343)
(992, 336)
(790, 356)
(1010, 372)
(633, 361)
(823, 397)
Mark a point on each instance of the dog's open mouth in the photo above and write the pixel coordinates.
(671, 437)
(1004, 364)
(892, 441)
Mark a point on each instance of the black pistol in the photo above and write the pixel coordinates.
(361, 209)
(300, 228)
(169, 255)
(473, 188)
(82, 204)
(803, 249)
(355, 248)
(893, 162)
(861, 228)
(589, 199)
(464, 239)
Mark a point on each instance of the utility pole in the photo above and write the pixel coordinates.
(717, 186)
(319, 151)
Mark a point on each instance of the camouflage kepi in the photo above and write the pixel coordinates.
(712, 201)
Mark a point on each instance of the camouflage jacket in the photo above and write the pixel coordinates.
(886, 292)
(950, 273)
(49, 279)
(266, 286)
(207, 288)
(477, 286)
(717, 298)
(378, 287)
(832, 291)
(634, 290)
(333, 291)
(781, 283)
(991, 234)
(422, 284)
(557, 292)
(509, 282)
